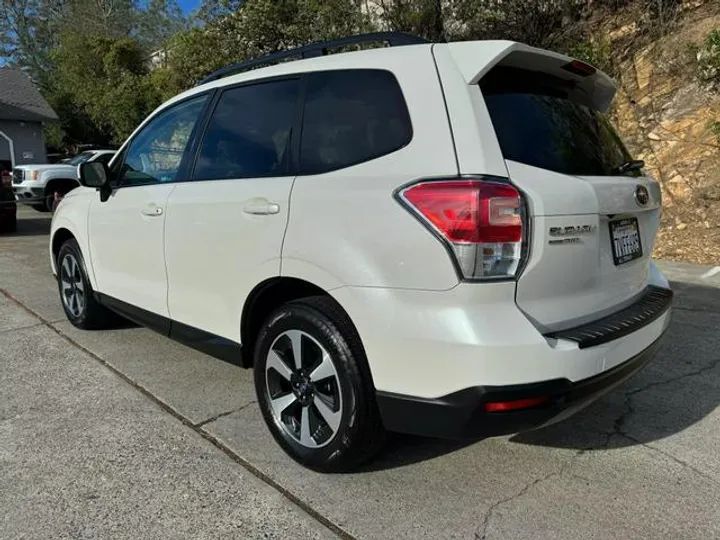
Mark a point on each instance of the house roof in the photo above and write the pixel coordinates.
(20, 99)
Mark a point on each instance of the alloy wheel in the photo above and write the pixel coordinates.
(303, 389)
(72, 285)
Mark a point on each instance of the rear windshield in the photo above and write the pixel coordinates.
(538, 124)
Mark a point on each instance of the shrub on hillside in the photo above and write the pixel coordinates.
(708, 58)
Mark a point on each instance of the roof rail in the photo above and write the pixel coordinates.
(394, 39)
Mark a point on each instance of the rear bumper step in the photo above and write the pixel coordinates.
(652, 304)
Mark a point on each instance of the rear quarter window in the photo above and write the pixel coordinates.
(351, 116)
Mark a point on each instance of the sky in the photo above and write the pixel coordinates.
(188, 5)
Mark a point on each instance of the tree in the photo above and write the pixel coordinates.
(106, 80)
(424, 18)
(258, 27)
(27, 33)
(547, 24)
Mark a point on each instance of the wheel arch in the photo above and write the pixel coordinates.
(269, 295)
(60, 234)
(56, 182)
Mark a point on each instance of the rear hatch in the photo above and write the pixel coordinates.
(593, 222)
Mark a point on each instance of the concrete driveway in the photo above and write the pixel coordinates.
(126, 434)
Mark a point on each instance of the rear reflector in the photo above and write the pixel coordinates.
(481, 220)
(500, 406)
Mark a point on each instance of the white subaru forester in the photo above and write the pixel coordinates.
(439, 239)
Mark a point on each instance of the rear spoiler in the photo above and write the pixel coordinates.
(475, 58)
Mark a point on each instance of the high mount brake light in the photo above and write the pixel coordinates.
(481, 220)
(580, 68)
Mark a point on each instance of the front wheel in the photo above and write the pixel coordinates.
(314, 387)
(76, 294)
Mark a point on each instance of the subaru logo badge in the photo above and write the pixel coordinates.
(642, 197)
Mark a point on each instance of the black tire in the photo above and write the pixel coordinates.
(360, 434)
(40, 207)
(91, 315)
(49, 202)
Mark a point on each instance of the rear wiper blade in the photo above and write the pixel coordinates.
(632, 165)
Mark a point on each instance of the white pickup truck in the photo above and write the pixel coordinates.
(36, 185)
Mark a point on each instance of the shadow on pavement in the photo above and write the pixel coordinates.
(677, 389)
(35, 226)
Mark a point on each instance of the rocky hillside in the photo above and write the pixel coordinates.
(668, 111)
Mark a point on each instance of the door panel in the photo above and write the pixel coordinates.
(224, 230)
(218, 248)
(126, 246)
(127, 230)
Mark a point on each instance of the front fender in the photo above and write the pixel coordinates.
(71, 216)
(47, 176)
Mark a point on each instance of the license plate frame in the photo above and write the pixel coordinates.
(625, 252)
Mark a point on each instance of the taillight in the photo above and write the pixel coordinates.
(481, 220)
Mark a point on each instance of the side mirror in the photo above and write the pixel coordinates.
(93, 174)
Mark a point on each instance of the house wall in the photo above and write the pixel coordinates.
(28, 140)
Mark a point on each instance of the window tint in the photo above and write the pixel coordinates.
(249, 132)
(154, 155)
(538, 122)
(350, 117)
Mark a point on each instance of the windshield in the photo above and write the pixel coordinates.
(537, 124)
(80, 158)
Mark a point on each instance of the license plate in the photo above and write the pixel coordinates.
(625, 240)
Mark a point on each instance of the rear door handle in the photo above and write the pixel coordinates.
(152, 210)
(261, 207)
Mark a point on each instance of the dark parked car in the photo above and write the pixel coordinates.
(8, 208)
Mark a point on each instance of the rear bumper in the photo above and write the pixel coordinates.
(463, 414)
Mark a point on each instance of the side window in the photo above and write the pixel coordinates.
(249, 132)
(352, 116)
(154, 155)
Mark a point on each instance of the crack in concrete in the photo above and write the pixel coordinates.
(673, 458)
(481, 533)
(629, 409)
(252, 469)
(223, 414)
(618, 431)
(713, 364)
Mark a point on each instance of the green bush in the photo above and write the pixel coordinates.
(708, 58)
(714, 128)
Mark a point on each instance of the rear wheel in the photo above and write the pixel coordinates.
(314, 387)
(76, 294)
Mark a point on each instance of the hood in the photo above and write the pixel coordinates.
(45, 167)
